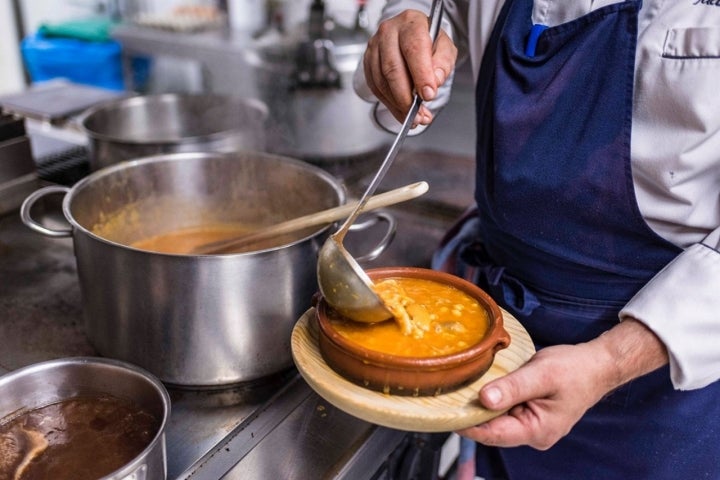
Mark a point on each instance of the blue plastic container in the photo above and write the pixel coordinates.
(89, 63)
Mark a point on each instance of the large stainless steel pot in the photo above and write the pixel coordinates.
(146, 125)
(304, 76)
(45, 383)
(194, 320)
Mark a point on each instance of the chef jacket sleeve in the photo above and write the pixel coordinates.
(681, 305)
(454, 24)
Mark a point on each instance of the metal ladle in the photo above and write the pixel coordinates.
(344, 284)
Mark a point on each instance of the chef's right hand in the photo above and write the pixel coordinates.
(400, 60)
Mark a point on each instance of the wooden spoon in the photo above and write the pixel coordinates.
(319, 218)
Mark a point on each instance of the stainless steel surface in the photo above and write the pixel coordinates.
(299, 435)
(44, 383)
(146, 125)
(195, 320)
(342, 281)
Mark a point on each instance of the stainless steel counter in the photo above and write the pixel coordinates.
(275, 428)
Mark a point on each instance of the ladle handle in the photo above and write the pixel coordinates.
(436, 11)
(330, 215)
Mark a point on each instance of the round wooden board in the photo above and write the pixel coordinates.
(442, 413)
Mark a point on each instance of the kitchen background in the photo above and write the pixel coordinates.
(453, 132)
(40, 300)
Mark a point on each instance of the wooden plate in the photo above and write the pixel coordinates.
(442, 413)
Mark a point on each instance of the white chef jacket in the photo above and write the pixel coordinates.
(675, 155)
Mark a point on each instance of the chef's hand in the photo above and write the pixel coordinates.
(550, 393)
(400, 60)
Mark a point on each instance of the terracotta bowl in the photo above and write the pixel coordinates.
(412, 376)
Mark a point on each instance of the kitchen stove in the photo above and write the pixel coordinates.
(272, 428)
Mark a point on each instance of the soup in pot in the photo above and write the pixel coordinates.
(185, 241)
(81, 438)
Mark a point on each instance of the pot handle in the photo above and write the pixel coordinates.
(36, 226)
(374, 217)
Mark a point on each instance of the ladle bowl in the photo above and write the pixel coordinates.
(346, 286)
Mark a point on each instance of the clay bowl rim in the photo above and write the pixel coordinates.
(494, 339)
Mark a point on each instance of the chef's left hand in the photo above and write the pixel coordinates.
(550, 393)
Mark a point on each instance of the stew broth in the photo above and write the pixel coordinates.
(185, 241)
(431, 319)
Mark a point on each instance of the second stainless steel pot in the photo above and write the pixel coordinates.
(147, 125)
(49, 382)
(194, 320)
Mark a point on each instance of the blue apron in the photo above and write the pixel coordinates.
(558, 240)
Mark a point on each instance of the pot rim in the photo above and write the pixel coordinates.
(156, 384)
(495, 335)
(84, 117)
(178, 157)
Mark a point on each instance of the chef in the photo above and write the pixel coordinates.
(596, 224)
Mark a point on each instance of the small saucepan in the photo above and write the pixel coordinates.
(56, 414)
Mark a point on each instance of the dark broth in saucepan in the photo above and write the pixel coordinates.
(80, 438)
